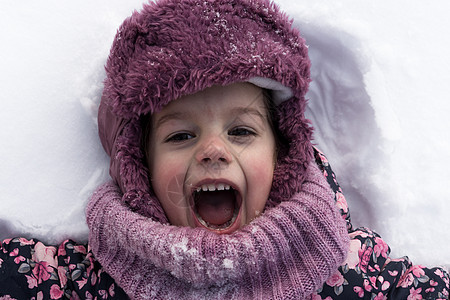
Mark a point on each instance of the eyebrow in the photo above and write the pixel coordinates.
(236, 111)
(171, 116)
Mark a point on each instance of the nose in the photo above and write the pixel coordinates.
(213, 151)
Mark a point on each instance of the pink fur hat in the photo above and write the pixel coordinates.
(173, 48)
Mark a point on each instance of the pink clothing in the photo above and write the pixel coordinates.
(287, 253)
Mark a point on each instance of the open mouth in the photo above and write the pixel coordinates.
(216, 206)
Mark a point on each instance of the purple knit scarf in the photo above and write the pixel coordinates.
(286, 253)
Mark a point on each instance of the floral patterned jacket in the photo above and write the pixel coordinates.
(31, 270)
(369, 272)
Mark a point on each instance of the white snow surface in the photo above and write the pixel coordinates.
(379, 102)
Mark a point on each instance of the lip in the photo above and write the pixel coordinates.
(237, 222)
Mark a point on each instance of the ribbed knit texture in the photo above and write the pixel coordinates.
(287, 253)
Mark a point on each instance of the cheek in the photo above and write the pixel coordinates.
(168, 183)
(262, 177)
(259, 177)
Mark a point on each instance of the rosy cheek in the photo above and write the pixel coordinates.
(174, 191)
(168, 183)
(262, 167)
(259, 177)
(165, 174)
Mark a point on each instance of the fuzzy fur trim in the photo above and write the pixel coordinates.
(174, 48)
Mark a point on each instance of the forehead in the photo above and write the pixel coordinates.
(237, 97)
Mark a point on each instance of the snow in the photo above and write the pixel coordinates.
(228, 263)
(377, 101)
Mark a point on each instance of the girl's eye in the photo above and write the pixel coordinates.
(179, 137)
(241, 132)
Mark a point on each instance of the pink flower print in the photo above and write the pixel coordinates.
(445, 293)
(79, 249)
(55, 292)
(91, 266)
(40, 295)
(364, 256)
(46, 254)
(373, 280)
(418, 271)
(315, 297)
(62, 276)
(15, 252)
(380, 296)
(322, 157)
(93, 278)
(367, 285)
(433, 283)
(393, 273)
(445, 279)
(359, 290)
(32, 282)
(406, 280)
(358, 233)
(341, 202)
(42, 271)
(88, 296)
(81, 283)
(336, 279)
(112, 292)
(353, 257)
(18, 259)
(62, 249)
(381, 248)
(385, 285)
(415, 294)
(439, 273)
(372, 269)
(24, 242)
(103, 293)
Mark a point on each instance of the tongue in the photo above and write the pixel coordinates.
(217, 207)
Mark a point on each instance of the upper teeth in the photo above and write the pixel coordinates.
(213, 187)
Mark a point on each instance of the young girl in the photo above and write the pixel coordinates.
(217, 190)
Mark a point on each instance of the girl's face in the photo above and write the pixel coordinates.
(211, 157)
